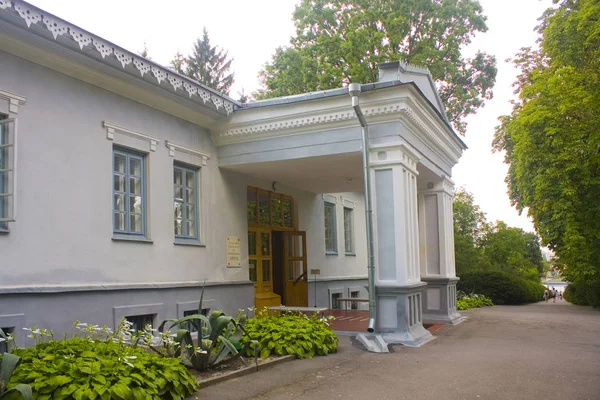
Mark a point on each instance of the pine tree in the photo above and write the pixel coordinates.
(206, 64)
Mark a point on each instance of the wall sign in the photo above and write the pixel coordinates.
(233, 252)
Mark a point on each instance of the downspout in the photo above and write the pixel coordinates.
(354, 91)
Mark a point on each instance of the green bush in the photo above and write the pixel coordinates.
(465, 302)
(583, 294)
(501, 287)
(79, 368)
(293, 334)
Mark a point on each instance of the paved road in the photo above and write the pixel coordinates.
(539, 351)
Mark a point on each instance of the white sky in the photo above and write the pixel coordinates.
(251, 30)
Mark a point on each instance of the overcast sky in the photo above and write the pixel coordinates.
(251, 30)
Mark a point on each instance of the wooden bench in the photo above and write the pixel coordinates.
(350, 299)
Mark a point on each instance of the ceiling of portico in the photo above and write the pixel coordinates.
(322, 174)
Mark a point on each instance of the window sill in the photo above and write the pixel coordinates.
(132, 239)
(351, 254)
(3, 230)
(331, 253)
(183, 242)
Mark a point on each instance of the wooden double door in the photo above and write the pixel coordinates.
(277, 261)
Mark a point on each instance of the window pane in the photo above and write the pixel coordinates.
(276, 217)
(119, 183)
(263, 206)
(135, 186)
(266, 271)
(119, 222)
(178, 193)
(177, 176)
(189, 193)
(135, 204)
(189, 180)
(178, 227)
(178, 210)
(251, 205)
(119, 163)
(119, 202)
(252, 270)
(191, 229)
(287, 212)
(265, 243)
(135, 166)
(252, 243)
(136, 223)
(190, 213)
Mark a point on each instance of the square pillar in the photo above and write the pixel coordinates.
(399, 290)
(436, 233)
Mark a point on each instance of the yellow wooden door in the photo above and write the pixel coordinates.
(260, 259)
(295, 269)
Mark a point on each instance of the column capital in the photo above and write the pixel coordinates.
(444, 184)
(395, 153)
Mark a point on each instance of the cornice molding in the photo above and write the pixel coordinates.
(58, 27)
(111, 129)
(175, 147)
(406, 109)
(14, 100)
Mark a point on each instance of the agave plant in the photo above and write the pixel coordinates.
(8, 364)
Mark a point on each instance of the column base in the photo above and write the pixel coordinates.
(400, 315)
(439, 301)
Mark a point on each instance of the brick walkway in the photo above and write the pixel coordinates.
(357, 321)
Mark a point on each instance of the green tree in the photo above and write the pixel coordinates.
(207, 65)
(552, 137)
(470, 228)
(342, 41)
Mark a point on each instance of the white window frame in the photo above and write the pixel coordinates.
(9, 189)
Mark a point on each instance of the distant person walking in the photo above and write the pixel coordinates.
(546, 294)
(555, 293)
(560, 295)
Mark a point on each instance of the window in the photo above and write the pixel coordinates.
(185, 192)
(330, 231)
(129, 186)
(189, 325)
(140, 321)
(335, 304)
(7, 171)
(348, 230)
(354, 304)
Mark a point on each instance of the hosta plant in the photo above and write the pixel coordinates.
(8, 363)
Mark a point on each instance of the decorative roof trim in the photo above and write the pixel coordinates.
(175, 147)
(14, 100)
(111, 129)
(58, 27)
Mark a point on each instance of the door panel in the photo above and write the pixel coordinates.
(259, 259)
(296, 272)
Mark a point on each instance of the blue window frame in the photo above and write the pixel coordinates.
(185, 203)
(330, 229)
(129, 188)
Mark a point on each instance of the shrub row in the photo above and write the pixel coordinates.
(475, 301)
(501, 287)
(583, 294)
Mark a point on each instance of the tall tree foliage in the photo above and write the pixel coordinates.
(342, 41)
(552, 137)
(206, 64)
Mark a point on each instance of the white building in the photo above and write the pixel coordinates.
(125, 186)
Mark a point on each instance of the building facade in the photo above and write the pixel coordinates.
(126, 187)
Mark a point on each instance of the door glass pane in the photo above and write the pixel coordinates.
(265, 243)
(276, 211)
(263, 206)
(251, 205)
(296, 270)
(119, 163)
(290, 273)
(136, 223)
(294, 246)
(252, 243)
(119, 183)
(252, 270)
(135, 166)
(135, 185)
(266, 270)
(286, 204)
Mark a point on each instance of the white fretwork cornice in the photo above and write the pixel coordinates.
(34, 16)
(175, 147)
(14, 100)
(111, 129)
(408, 108)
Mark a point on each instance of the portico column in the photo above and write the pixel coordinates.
(436, 232)
(399, 289)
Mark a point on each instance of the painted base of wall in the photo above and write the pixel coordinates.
(439, 301)
(58, 311)
(400, 315)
